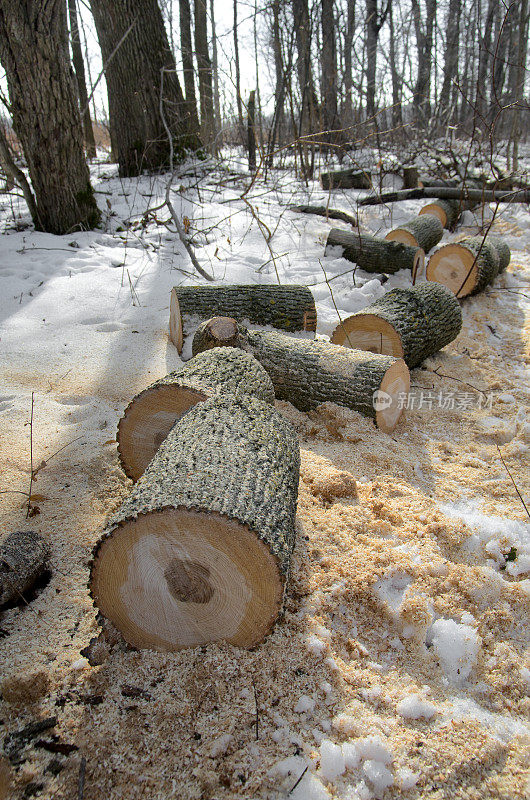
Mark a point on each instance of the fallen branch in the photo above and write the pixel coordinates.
(449, 193)
(182, 237)
(329, 213)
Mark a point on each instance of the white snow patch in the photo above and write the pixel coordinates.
(456, 646)
(331, 760)
(379, 776)
(305, 703)
(412, 706)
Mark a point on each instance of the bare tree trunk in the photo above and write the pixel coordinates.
(503, 34)
(238, 73)
(279, 91)
(329, 71)
(422, 89)
(484, 58)
(79, 69)
(251, 132)
(45, 113)
(374, 23)
(517, 87)
(397, 115)
(186, 48)
(135, 52)
(204, 66)
(308, 109)
(215, 68)
(450, 73)
(348, 75)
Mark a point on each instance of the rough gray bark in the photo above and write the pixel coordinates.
(238, 72)
(348, 74)
(346, 179)
(136, 51)
(425, 318)
(23, 559)
(397, 82)
(277, 126)
(503, 251)
(517, 82)
(424, 36)
(375, 255)
(251, 131)
(452, 35)
(410, 177)
(449, 193)
(45, 113)
(484, 59)
(215, 72)
(204, 68)
(229, 461)
(289, 308)
(426, 229)
(79, 69)
(374, 22)
(309, 372)
(150, 415)
(309, 104)
(330, 116)
(186, 49)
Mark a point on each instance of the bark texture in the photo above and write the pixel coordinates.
(375, 255)
(426, 229)
(346, 179)
(448, 211)
(136, 51)
(186, 49)
(204, 66)
(23, 559)
(481, 261)
(45, 112)
(79, 68)
(330, 115)
(310, 372)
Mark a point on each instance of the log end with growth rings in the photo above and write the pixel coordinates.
(455, 267)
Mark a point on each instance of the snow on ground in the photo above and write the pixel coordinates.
(401, 666)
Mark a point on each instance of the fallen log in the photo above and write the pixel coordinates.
(411, 324)
(346, 179)
(447, 211)
(149, 417)
(289, 308)
(23, 559)
(200, 551)
(376, 255)
(449, 193)
(329, 213)
(424, 231)
(467, 267)
(410, 177)
(309, 372)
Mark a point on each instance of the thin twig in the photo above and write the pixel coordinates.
(182, 236)
(512, 480)
(30, 455)
(298, 781)
(81, 779)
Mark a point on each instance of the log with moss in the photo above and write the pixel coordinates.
(405, 323)
(151, 414)
(346, 179)
(424, 231)
(308, 372)
(467, 267)
(23, 559)
(288, 308)
(200, 551)
(376, 255)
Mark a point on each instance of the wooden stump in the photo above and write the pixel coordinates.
(346, 179)
(447, 211)
(309, 372)
(289, 308)
(410, 177)
(200, 551)
(405, 323)
(467, 267)
(376, 255)
(151, 414)
(23, 559)
(424, 231)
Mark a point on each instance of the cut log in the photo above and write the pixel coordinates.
(448, 193)
(346, 179)
(23, 559)
(329, 213)
(467, 267)
(376, 255)
(405, 323)
(447, 211)
(288, 308)
(424, 231)
(151, 414)
(200, 551)
(410, 177)
(309, 372)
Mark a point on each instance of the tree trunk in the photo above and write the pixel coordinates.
(309, 104)
(348, 73)
(310, 372)
(238, 74)
(518, 82)
(422, 89)
(397, 114)
(186, 48)
(289, 308)
(45, 114)
(450, 73)
(373, 26)
(135, 52)
(204, 66)
(79, 69)
(23, 559)
(200, 552)
(467, 267)
(149, 417)
(251, 131)
(484, 60)
(376, 255)
(330, 115)
(424, 231)
(215, 69)
(277, 126)
(405, 323)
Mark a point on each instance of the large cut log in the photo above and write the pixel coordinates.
(288, 308)
(346, 179)
(405, 323)
(467, 267)
(447, 211)
(308, 372)
(151, 414)
(424, 231)
(200, 551)
(449, 193)
(376, 255)
(23, 559)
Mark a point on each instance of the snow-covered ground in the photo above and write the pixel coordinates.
(401, 665)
